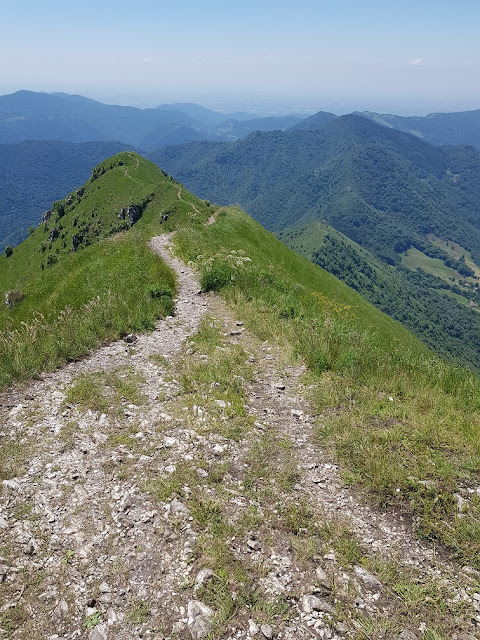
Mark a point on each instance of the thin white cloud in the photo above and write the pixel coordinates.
(416, 62)
(148, 59)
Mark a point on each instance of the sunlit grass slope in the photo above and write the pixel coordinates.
(404, 423)
(65, 301)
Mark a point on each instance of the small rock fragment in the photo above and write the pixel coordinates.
(203, 576)
(179, 509)
(3, 572)
(254, 544)
(252, 628)
(406, 634)
(218, 449)
(313, 603)
(131, 338)
(60, 612)
(322, 579)
(371, 583)
(98, 633)
(267, 631)
(199, 619)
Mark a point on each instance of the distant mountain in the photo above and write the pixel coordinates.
(460, 128)
(407, 202)
(26, 115)
(208, 118)
(383, 188)
(36, 173)
(236, 129)
(317, 120)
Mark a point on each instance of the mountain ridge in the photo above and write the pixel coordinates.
(232, 446)
(73, 118)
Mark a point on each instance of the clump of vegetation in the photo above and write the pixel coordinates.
(220, 270)
(14, 297)
(102, 391)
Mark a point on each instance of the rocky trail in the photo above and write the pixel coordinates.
(168, 486)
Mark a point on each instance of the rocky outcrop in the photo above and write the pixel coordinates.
(132, 213)
(77, 240)
(46, 215)
(53, 235)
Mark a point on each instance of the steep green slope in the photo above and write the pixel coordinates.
(421, 299)
(86, 274)
(386, 190)
(35, 173)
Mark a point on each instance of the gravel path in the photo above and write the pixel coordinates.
(87, 550)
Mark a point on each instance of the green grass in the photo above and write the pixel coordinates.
(102, 391)
(415, 259)
(358, 359)
(456, 251)
(112, 285)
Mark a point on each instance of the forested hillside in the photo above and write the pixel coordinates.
(385, 189)
(435, 309)
(457, 128)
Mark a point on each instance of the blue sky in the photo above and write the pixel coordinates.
(144, 52)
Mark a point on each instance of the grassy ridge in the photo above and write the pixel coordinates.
(76, 300)
(405, 423)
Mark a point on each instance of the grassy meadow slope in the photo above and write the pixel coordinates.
(404, 424)
(65, 301)
(419, 298)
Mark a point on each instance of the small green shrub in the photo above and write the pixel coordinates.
(216, 275)
(158, 292)
(14, 297)
(92, 620)
(8, 250)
